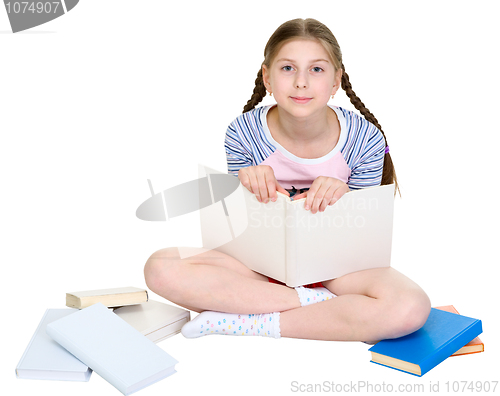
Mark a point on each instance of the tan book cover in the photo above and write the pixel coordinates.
(114, 297)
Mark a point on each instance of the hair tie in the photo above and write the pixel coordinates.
(387, 149)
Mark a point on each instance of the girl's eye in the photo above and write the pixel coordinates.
(317, 69)
(287, 68)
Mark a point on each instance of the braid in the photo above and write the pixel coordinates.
(358, 104)
(388, 173)
(258, 93)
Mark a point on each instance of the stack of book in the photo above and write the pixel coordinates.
(112, 332)
(446, 333)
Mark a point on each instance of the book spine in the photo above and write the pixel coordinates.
(86, 359)
(291, 243)
(453, 346)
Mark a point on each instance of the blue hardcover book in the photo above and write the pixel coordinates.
(443, 334)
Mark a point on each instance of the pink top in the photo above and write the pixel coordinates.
(298, 172)
(292, 172)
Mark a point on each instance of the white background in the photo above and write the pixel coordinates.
(116, 92)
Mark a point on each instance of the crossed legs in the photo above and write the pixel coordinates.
(371, 305)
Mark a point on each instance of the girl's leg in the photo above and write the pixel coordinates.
(215, 281)
(371, 305)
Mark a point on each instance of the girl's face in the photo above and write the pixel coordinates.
(302, 77)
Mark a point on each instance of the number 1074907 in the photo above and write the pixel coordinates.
(38, 7)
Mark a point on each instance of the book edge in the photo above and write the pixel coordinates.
(480, 348)
(393, 368)
(150, 330)
(85, 375)
(31, 340)
(84, 303)
(398, 364)
(102, 292)
(151, 380)
(292, 270)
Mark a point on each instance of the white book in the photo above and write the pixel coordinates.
(112, 348)
(46, 359)
(156, 320)
(284, 241)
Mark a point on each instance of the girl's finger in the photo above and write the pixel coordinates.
(281, 189)
(271, 187)
(262, 187)
(318, 200)
(299, 196)
(315, 196)
(309, 199)
(339, 192)
(324, 205)
(254, 185)
(311, 196)
(245, 179)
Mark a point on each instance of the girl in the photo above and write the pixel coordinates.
(303, 145)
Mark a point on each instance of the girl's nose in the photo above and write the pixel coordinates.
(300, 80)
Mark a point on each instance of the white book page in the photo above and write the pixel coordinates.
(352, 235)
(251, 232)
(261, 245)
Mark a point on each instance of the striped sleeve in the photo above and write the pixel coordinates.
(368, 166)
(237, 152)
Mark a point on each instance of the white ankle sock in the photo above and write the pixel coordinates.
(310, 296)
(211, 322)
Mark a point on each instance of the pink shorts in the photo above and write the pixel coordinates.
(312, 285)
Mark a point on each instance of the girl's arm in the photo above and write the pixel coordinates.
(259, 179)
(367, 169)
(237, 155)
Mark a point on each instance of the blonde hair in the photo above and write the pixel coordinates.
(314, 30)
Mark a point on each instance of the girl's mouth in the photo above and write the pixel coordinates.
(300, 99)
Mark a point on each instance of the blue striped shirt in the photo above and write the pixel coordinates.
(357, 159)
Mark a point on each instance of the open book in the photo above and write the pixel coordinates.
(284, 241)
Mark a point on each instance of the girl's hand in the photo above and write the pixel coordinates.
(324, 191)
(260, 180)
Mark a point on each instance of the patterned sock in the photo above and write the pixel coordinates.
(210, 322)
(310, 296)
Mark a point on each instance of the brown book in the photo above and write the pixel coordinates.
(116, 297)
(475, 346)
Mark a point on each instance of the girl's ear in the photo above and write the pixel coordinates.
(265, 77)
(338, 80)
